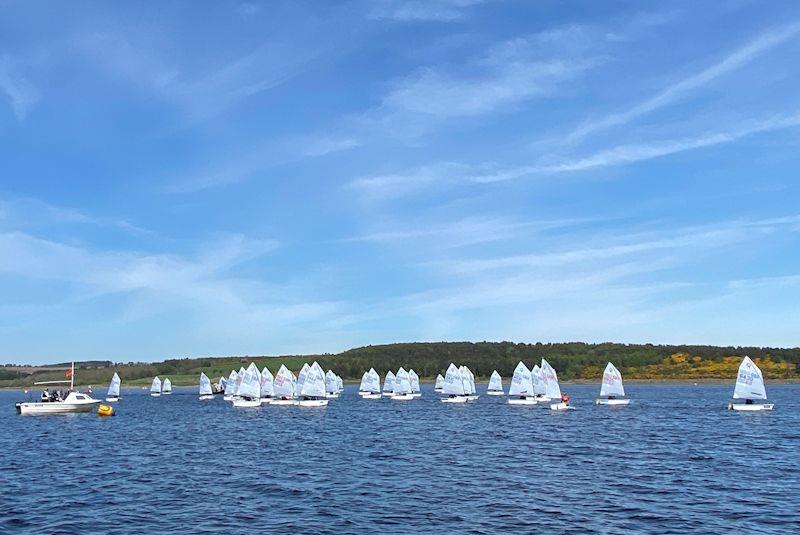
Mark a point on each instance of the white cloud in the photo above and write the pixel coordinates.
(422, 10)
(18, 90)
(390, 186)
(733, 61)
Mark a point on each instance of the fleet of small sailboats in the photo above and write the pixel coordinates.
(750, 387)
(611, 390)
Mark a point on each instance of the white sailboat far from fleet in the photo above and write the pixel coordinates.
(72, 402)
(249, 393)
(521, 390)
(370, 387)
(749, 387)
(495, 387)
(166, 388)
(155, 387)
(438, 387)
(267, 386)
(113, 389)
(453, 386)
(312, 393)
(204, 389)
(611, 390)
(415, 389)
(331, 385)
(552, 388)
(283, 387)
(402, 386)
(231, 385)
(388, 384)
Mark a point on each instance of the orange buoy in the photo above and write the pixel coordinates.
(105, 410)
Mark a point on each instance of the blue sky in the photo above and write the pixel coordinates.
(186, 179)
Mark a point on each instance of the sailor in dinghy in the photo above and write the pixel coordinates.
(552, 388)
(611, 391)
(312, 393)
(249, 394)
(205, 392)
(454, 386)
(521, 390)
(113, 389)
(749, 387)
(495, 387)
(283, 387)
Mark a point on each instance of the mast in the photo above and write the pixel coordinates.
(72, 377)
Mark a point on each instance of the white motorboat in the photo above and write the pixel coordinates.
(73, 402)
(749, 387)
(611, 388)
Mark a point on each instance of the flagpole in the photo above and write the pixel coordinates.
(72, 377)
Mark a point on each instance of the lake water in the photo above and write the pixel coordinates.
(674, 461)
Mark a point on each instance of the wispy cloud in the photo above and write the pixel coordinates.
(422, 10)
(681, 89)
(27, 212)
(638, 152)
(390, 186)
(21, 94)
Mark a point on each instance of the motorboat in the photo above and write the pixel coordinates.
(73, 402)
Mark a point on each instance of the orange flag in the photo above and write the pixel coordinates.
(68, 373)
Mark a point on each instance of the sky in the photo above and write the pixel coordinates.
(241, 178)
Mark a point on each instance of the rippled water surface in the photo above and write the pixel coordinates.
(674, 461)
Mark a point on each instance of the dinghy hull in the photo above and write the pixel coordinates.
(402, 397)
(494, 393)
(227, 398)
(247, 403)
(522, 401)
(456, 399)
(416, 395)
(371, 396)
(331, 395)
(206, 396)
(112, 399)
(560, 406)
(313, 402)
(283, 402)
(751, 407)
(267, 401)
(472, 398)
(603, 401)
(154, 394)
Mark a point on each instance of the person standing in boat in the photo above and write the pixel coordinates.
(565, 398)
(45, 395)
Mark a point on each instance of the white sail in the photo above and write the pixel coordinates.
(205, 385)
(231, 384)
(283, 386)
(453, 382)
(371, 382)
(414, 380)
(314, 383)
(340, 383)
(113, 387)
(550, 378)
(166, 386)
(250, 387)
(495, 383)
(521, 381)
(749, 382)
(402, 382)
(222, 383)
(538, 383)
(469, 380)
(331, 382)
(612, 382)
(439, 382)
(267, 383)
(301, 377)
(155, 387)
(388, 383)
(364, 385)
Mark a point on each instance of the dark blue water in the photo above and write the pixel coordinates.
(674, 461)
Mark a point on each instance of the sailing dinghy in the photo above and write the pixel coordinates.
(612, 388)
(113, 389)
(155, 387)
(249, 394)
(312, 393)
(469, 383)
(331, 385)
(439, 386)
(749, 387)
(539, 389)
(453, 386)
(267, 386)
(230, 386)
(205, 388)
(495, 387)
(283, 388)
(388, 384)
(521, 390)
(552, 388)
(370, 385)
(402, 386)
(415, 390)
(166, 389)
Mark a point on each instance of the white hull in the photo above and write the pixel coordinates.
(167, 393)
(751, 407)
(472, 397)
(112, 399)
(542, 399)
(267, 401)
(155, 394)
(283, 402)
(247, 403)
(388, 394)
(206, 396)
(456, 399)
(402, 397)
(603, 401)
(560, 406)
(331, 395)
(416, 395)
(56, 407)
(371, 396)
(313, 402)
(494, 392)
(438, 390)
(522, 401)
(228, 397)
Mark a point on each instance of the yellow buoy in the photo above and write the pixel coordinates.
(105, 410)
